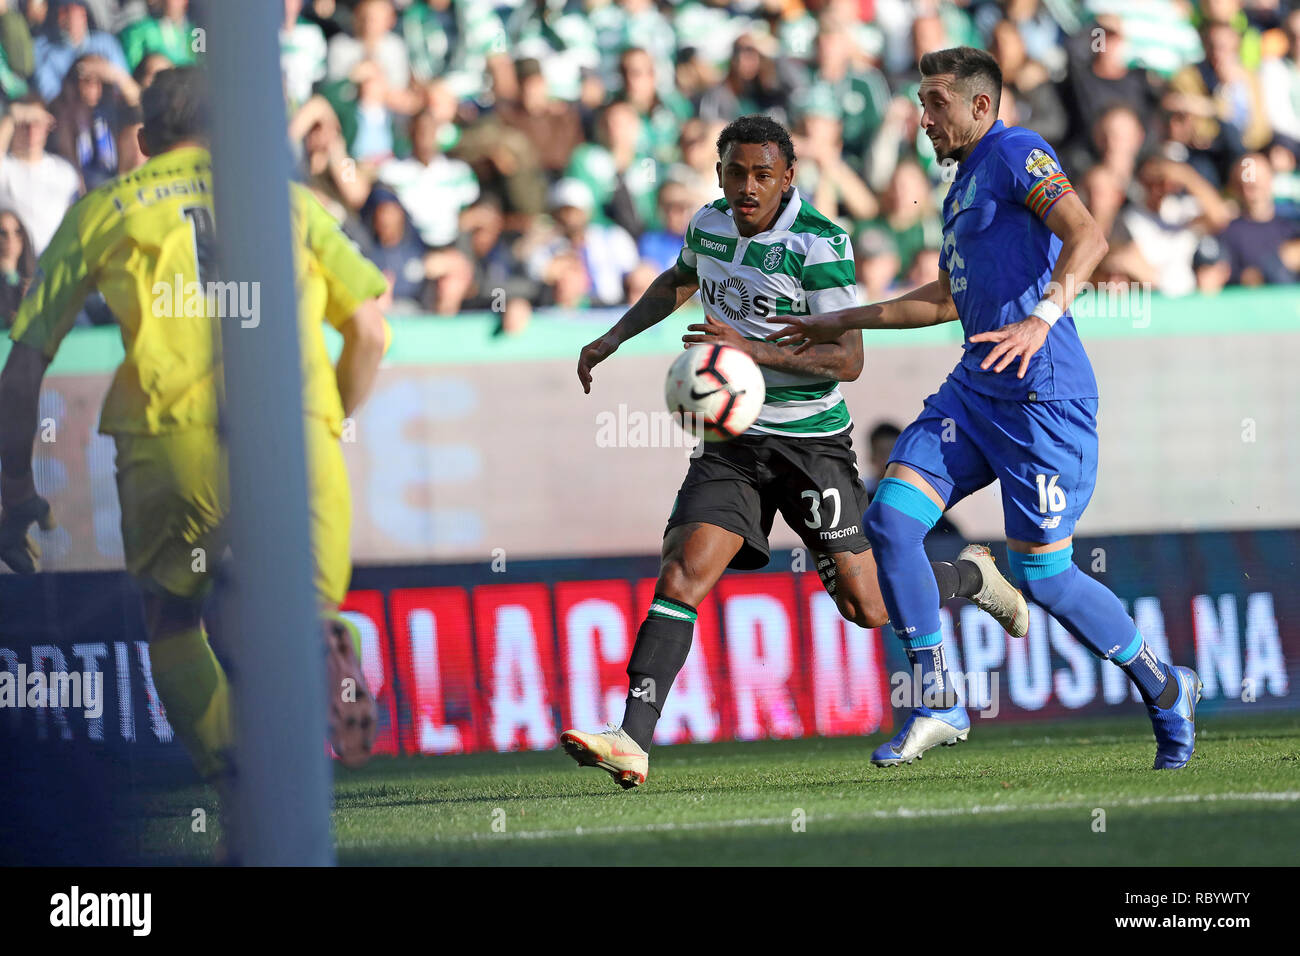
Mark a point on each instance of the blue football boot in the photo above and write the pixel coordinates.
(1175, 726)
(924, 728)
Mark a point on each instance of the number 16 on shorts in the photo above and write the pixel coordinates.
(1051, 499)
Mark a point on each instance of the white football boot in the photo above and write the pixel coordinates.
(611, 750)
(999, 597)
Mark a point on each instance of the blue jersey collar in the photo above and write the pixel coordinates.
(996, 130)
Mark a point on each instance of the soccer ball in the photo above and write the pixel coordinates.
(714, 391)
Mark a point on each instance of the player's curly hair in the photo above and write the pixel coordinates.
(757, 128)
(175, 108)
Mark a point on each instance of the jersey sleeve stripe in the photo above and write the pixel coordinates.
(1046, 192)
(828, 275)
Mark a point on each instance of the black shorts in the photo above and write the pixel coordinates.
(741, 484)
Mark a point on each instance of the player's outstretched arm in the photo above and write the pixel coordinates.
(670, 289)
(840, 359)
(20, 505)
(365, 339)
(930, 304)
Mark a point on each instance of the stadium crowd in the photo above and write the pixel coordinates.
(510, 154)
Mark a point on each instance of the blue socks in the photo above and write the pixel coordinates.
(1094, 615)
(896, 523)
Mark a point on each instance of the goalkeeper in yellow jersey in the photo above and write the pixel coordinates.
(138, 239)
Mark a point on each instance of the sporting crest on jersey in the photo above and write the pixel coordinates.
(969, 198)
(775, 256)
(1039, 164)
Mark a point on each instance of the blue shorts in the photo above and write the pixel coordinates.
(1043, 453)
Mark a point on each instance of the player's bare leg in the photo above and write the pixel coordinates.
(1099, 621)
(694, 557)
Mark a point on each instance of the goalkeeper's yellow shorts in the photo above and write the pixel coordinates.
(175, 496)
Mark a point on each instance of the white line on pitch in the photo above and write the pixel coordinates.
(902, 813)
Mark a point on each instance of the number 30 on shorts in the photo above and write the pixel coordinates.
(815, 499)
(1050, 497)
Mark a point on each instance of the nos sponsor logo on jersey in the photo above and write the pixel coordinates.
(732, 298)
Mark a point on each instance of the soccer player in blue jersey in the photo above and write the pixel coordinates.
(1020, 407)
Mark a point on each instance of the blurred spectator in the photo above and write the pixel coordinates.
(499, 278)
(327, 169)
(72, 39)
(89, 114)
(1038, 104)
(923, 268)
(752, 84)
(698, 169)
(1212, 268)
(551, 125)
(37, 185)
(166, 30)
(897, 139)
(17, 59)
(373, 41)
(693, 76)
(463, 43)
(1158, 34)
(372, 130)
(396, 250)
(1040, 34)
(660, 247)
(907, 214)
(877, 265)
(148, 68)
(1185, 140)
(661, 114)
(1114, 143)
(432, 187)
(17, 265)
(840, 75)
(302, 54)
(621, 177)
(505, 164)
(324, 14)
(1280, 79)
(621, 25)
(578, 260)
(1261, 247)
(1233, 101)
(561, 37)
(1156, 239)
(821, 172)
(1100, 76)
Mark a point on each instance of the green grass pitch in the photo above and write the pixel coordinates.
(1027, 794)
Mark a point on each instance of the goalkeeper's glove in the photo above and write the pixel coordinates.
(18, 548)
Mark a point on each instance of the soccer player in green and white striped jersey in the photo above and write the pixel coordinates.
(758, 256)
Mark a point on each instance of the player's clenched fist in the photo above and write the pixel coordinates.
(810, 330)
(592, 355)
(18, 548)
